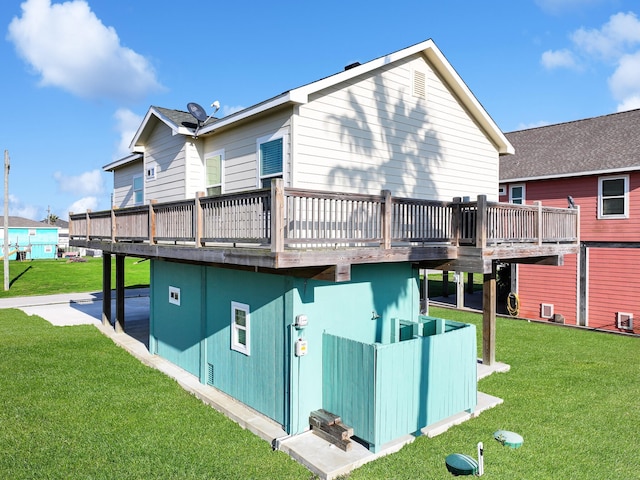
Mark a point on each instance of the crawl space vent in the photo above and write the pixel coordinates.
(624, 321)
(209, 374)
(546, 310)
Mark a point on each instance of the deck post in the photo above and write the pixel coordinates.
(539, 213)
(119, 293)
(88, 218)
(456, 223)
(481, 222)
(277, 215)
(113, 225)
(199, 220)
(152, 222)
(445, 283)
(459, 290)
(469, 282)
(489, 317)
(387, 213)
(106, 289)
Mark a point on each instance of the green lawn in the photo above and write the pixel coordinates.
(74, 405)
(44, 277)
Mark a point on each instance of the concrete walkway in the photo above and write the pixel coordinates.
(319, 456)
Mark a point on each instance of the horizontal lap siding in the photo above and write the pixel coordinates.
(167, 152)
(123, 184)
(614, 286)
(371, 133)
(240, 149)
(547, 284)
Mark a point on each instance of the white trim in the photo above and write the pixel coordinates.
(285, 155)
(586, 286)
(546, 310)
(619, 320)
(235, 343)
(122, 162)
(174, 295)
(524, 192)
(210, 154)
(133, 190)
(574, 174)
(602, 216)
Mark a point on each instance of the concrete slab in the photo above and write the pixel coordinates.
(319, 456)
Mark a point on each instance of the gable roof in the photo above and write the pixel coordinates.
(20, 222)
(183, 123)
(606, 144)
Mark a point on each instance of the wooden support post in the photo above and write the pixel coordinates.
(539, 227)
(424, 307)
(120, 294)
(459, 290)
(152, 222)
(481, 222)
(88, 221)
(469, 282)
(387, 214)
(456, 224)
(489, 317)
(113, 225)
(445, 283)
(199, 220)
(277, 215)
(106, 289)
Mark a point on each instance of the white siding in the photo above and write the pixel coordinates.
(123, 184)
(240, 150)
(167, 153)
(373, 134)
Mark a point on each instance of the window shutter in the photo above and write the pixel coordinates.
(271, 157)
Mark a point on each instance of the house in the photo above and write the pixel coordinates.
(286, 242)
(593, 164)
(29, 239)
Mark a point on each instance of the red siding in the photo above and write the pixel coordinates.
(584, 190)
(546, 284)
(613, 286)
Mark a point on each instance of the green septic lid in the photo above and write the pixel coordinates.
(510, 439)
(460, 464)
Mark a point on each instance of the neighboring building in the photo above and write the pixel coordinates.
(29, 239)
(595, 162)
(292, 281)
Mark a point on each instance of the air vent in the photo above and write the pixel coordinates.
(419, 84)
(546, 310)
(624, 321)
(209, 374)
(352, 65)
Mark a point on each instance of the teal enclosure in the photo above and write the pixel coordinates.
(31, 243)
(385, 391)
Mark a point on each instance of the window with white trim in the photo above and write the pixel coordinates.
(240, 328)
(213, 165)
(613, 197)
(271, 153)
(516, 194)
(138, 190)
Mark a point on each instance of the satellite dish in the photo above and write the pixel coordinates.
(197, 111)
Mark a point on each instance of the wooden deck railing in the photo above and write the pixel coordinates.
(287, 218)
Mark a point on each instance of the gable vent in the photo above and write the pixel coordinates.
(546, 310)
(624, 321)
(419, 84)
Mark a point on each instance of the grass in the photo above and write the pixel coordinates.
(45, 277)
(436, 284)
(75, 405)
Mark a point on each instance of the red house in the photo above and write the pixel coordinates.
(593, 164)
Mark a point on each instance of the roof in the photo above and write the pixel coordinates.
(183, 123)
(20, 222)
(606, 144)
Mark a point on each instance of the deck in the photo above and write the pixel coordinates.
(321, 234)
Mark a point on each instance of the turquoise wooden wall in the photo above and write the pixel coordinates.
(272, 380)
(43, 244)
(385, 391)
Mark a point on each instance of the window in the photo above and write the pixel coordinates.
(213, 173)
(240, 328)
(138, 196)
(516, 194)
(151, 172)
(270, 159)
(174, 295)
(613, 199)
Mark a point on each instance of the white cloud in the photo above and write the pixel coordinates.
(625, 81)
(527, 126)
(559, 59)
(18, 208)
(70, 48)
(226, 110)
(87, 183)
(82, 205)
(127, 124)
(620, 33)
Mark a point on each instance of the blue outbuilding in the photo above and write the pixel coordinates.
(29, 239)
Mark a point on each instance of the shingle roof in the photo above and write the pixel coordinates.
(607, 143)
(20, 222)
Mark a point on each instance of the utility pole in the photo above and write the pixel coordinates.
(6, 221)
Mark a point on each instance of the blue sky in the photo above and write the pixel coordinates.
(78, 76)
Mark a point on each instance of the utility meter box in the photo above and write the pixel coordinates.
(301, 347)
